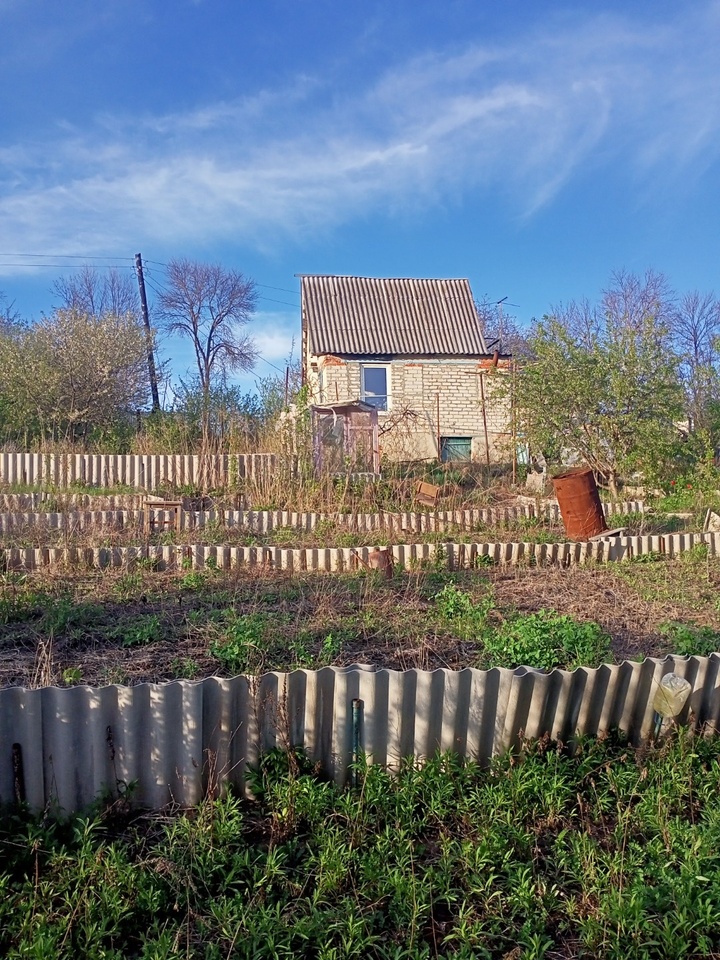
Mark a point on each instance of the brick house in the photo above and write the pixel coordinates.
(414, 350)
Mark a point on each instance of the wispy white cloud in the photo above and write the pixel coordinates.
(275, 336)
(519, 119)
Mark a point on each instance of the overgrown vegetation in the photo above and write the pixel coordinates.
(609, 853)
(633, 367)
(639, 397)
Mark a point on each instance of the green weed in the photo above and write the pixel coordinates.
(194, 580)
(71, 676)
(330, 648)
(545, 640)
(184, 668)
(467, 617)
(18, 602)
(140, 632)
(244, 644)
(128, 585)
(688, 640)
(608, 853)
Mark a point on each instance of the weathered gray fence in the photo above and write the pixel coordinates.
(177, 741)
(142, 472)
(265, 521)
(46, 500)
(455, 556)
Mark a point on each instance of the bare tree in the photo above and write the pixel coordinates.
(10, 319)
(210, 306)
(98, 293)
(695, 329)
(633, 300)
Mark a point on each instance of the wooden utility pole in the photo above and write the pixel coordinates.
(514, 422)
(148, 334)
(484, 416)
(437, 424)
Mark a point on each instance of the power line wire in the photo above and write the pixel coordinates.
(286, 302)
(156, 287)
(266, 286)
(159, 291)
(123, 264)
(280, 369)
(67, 266)
(65, 256)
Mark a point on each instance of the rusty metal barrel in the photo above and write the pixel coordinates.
(579, 502)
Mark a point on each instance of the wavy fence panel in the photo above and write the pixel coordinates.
(143, 472)
(177, 741)
(453, 556)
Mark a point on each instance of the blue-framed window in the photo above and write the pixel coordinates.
(375, 385)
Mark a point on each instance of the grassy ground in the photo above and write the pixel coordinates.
(142, 625)
(611, 853)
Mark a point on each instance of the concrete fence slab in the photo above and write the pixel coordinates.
(337, 559)
(178, 741)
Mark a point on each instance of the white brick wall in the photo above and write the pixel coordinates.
(414, 386)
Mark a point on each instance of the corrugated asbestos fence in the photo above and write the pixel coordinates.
(143, 472)
(178, 741)
(454, 556)
(265, 521)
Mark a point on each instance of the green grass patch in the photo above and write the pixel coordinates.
(690, 640)
(610, 853)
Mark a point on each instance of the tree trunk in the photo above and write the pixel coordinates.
(612, 481)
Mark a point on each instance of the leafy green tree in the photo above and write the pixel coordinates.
(231, 416)
(108, 292)
(603, 385)
(234, 419)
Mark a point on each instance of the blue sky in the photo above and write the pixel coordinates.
(533, 147)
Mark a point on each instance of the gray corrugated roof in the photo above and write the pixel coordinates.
(368, 316)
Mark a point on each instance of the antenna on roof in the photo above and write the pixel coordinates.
(499, 303)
